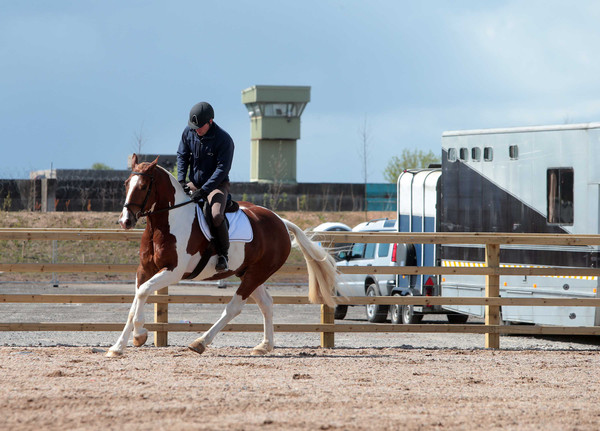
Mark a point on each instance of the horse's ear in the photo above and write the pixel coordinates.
(133, 160)
(155, 161)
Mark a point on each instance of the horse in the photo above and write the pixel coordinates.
(173, 245)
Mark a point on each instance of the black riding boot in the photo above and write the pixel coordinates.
(221, 236)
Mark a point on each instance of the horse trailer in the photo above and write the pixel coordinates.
(417, 194)
(515, 180)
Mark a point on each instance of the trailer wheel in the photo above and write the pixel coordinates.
(376, 313)
(340, 312)
(396, 312)
(409, 317)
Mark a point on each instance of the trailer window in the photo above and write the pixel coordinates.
(452, 154)
(488, 154)
(464, 154)
(559, 184)
(513, 152)
(476, 154)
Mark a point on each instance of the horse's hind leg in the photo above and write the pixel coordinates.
(233, 308)
(265, 303)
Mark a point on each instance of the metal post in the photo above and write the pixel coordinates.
(492, 290)
(161, 315)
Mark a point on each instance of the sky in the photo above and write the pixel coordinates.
(80, 80)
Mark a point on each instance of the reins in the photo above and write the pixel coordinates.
(161, 210)
(141, 213)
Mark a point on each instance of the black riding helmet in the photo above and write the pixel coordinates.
(200, 114)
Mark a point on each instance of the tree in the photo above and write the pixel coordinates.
(365, 138)
(408, 160)
(101, 167)
(139, 140)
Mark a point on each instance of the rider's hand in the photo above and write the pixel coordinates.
(186, 188)
(198, 195)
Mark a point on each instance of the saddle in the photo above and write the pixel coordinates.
(232, 206)
(237, 221)
(238, 225)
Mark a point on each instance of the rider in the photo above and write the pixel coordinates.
(207, 150)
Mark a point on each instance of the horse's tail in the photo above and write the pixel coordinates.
(322, 272)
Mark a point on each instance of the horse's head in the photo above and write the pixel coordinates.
(140, 192)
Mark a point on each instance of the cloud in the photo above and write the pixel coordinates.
(541, 48)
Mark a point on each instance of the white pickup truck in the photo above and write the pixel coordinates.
(369, 284)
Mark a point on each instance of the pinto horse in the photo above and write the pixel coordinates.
(173, 244)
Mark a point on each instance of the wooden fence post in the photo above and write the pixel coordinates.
(492, 290)
(161, 315)
(327, 338)
(327, 313)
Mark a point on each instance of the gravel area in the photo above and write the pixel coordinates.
(57, 388)
(62, 380)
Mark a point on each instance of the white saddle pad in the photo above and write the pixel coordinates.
(239, 226)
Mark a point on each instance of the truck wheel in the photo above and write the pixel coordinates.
(457, 318)
(396, 312)
(340, 312)
(376, 313)
(409, 317)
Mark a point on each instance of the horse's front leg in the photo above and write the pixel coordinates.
(233, 308)
(136, 316)
(162, 279)
(119, 346)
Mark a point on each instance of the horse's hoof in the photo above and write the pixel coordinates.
(113, 354)
(197, 347)
(261, 350)
(140, 340)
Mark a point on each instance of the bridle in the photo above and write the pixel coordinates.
(141, 213)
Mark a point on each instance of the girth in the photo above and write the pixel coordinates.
(231, 207)
(210, 250)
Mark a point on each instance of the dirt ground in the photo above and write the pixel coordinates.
(150, 388)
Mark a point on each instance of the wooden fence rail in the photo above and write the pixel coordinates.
(492, 271)
(26, 298)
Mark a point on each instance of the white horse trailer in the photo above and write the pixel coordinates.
(417, 194)
(531, 180)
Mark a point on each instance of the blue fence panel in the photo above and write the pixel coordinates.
(381, 197)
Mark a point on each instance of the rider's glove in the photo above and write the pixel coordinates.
(198, 195)
(186, 188)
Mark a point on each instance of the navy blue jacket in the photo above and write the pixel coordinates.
(208, 157)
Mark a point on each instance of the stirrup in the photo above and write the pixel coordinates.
(222, 264)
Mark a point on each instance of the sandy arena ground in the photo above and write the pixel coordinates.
(58, 388)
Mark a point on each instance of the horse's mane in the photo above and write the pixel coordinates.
(171, 176)
(144, 166)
